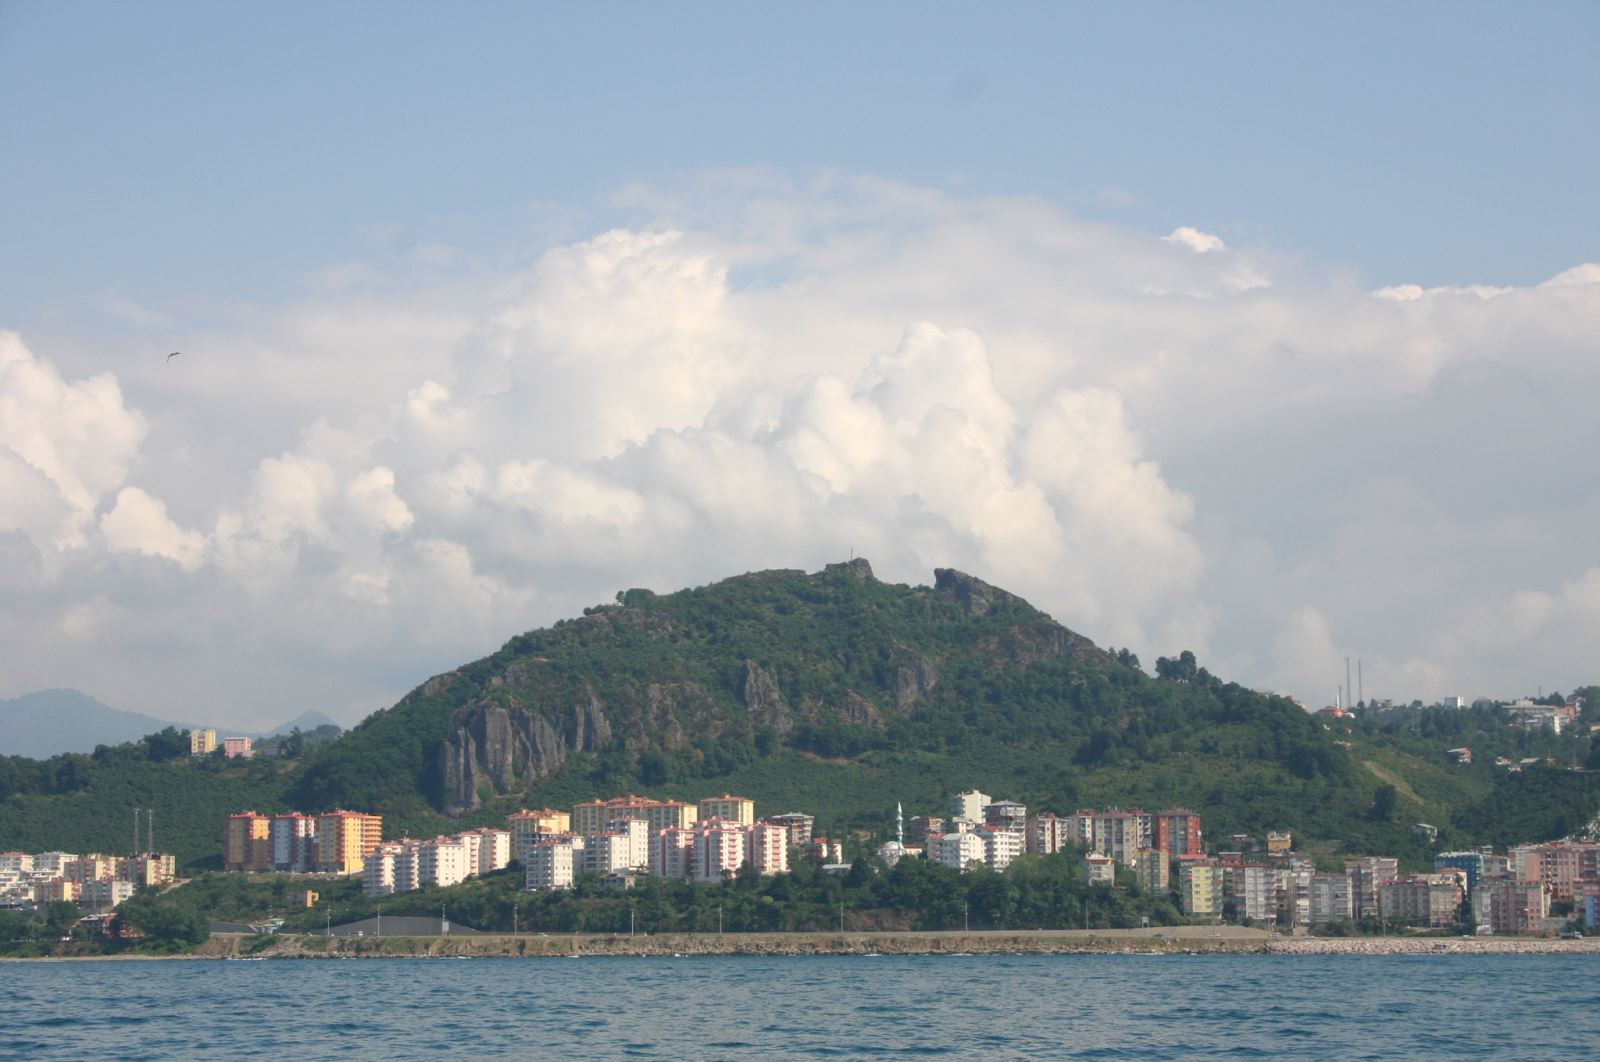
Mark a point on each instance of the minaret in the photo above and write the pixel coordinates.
(899, 824)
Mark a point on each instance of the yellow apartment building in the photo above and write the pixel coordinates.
(734, 808)
(345, 839)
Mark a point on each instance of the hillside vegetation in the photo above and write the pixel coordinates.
(835, 693)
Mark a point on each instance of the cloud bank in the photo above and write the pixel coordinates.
(1167, 442)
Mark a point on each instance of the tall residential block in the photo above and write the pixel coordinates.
(294, 843)
(969, 805)
(344, 838)
(1152, 871)
(247, 842)
(202, 742)
(1200, 889)
(732, 808)
(1177, 832)
(799, 825)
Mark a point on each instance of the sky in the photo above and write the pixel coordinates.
(1266, 331)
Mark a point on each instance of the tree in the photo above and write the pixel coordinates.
(167, 744)
(61, 916)
(1383, 804)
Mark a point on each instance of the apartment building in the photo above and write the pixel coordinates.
(529, 827)
(1200, 889)
(1422, 899)
(798, 824)
(718, 849)
(1177, 832)
(1116, 833)
(767, 847)
(344, 838)
(1332, 898)
(553, 862)
(1511, 906)
(247, 842)
(1153, 871)
(729, 808)
(969, 805)
(294, 843)
(1365, 876)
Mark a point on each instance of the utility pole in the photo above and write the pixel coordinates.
(513, 919)
(327, 924)
(719, 919)
(630, 921)
(966, 916)
(380, 921)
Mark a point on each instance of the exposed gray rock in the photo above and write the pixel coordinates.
(911, 677)
(759, 694)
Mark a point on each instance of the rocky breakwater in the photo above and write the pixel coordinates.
(1431, 946)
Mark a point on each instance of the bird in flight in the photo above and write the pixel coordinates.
(174, 354)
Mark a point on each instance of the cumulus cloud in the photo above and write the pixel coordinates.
(139, 523)
(63, 445)
(1210, 450)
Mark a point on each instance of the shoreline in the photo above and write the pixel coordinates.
(1176, 940)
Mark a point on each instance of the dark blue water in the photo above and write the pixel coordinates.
(1022, 1007)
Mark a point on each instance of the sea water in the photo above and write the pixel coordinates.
(981, 1007)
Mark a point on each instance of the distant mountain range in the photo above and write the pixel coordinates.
(48, 722)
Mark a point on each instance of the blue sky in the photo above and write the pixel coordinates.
(163, 150)
(1264, 330)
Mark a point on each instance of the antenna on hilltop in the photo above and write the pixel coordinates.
(135, 831)
(1347, 686)
(1361, 685)
(150, 823)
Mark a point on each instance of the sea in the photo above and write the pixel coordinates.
(977, 1007)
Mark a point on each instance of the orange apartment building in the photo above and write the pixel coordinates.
(345, 839)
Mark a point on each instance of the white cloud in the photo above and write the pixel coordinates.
(1165, 450)
(139, 523)
(1197, 241)
(77, 436)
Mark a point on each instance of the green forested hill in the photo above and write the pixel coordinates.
(835, 693)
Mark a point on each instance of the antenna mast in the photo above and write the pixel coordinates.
(1347, 679)
(135, 831)
(150, 823)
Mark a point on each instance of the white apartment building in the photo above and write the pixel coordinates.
(442, 861)
(636, 834)
(1000, 846)
(767, 848)
(1256, 895)
(969, 805)
(606, 853)
(718, 849)
(958, 849)
(673, 852)
(377, 870)
(552, 863)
